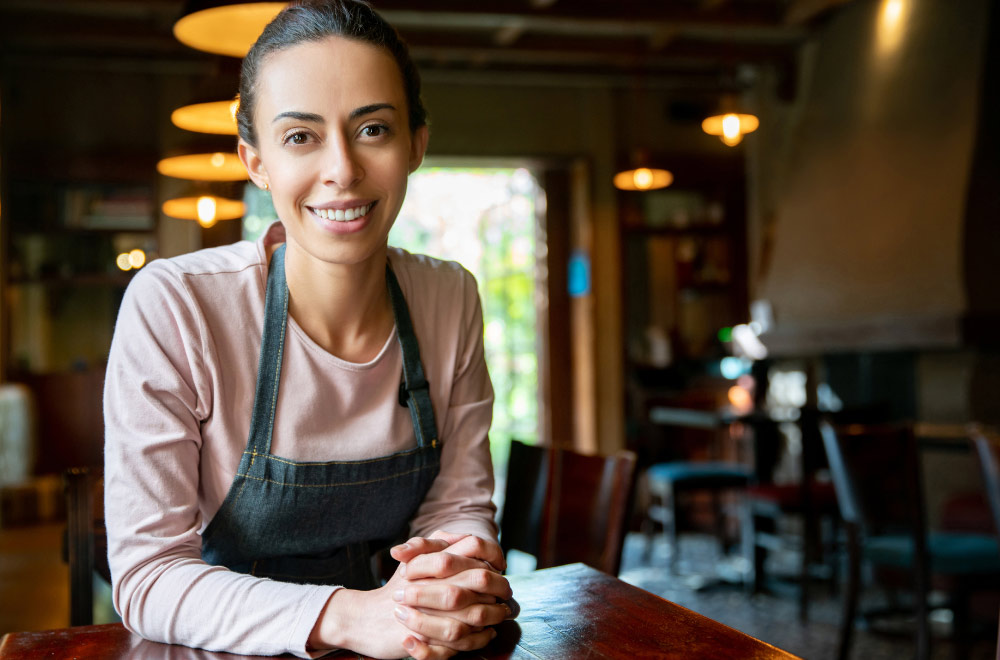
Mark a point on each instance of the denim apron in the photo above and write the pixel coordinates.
(320, 523)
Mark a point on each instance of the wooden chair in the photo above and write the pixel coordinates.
(879, 485)
(86, 541)
(563, 507)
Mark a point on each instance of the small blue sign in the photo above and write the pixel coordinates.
(579, 274)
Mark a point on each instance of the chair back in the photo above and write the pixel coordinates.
(988, 451)
(565, 507)
(877, 478)
(86, 541)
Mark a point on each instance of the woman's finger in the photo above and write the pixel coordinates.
(476, 616)
(478, 585)
(421, 650)
(443, 630)
(416, 546)
(475, 547)
(442, 565)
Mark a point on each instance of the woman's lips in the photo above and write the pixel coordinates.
(343, 221)
(343, 215)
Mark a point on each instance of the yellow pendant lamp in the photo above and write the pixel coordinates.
(641, 177)
(729, 124)
(206, 209)
(215, 117)
(224, 27)
(218, 166)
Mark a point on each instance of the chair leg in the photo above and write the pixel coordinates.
(853, 592)
(961, 647)
(670, 505)
(748, 536)
(923, 620)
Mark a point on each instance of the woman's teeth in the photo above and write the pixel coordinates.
(343, 215)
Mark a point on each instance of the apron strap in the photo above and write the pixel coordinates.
(272, 351)
(417, 389)
(265, 397)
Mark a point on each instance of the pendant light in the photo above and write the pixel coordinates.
(206, 209)
(218, 166)
(729, 124)
(215, 117)
(224, 27)
(641, 177)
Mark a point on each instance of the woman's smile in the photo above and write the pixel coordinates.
(342, 218)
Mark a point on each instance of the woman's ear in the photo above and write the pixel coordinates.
(255, 166)
(418, 145)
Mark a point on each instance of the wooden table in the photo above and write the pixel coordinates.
(569, 611)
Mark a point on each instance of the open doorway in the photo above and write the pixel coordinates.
(491, 219)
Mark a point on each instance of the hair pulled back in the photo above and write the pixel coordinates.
(314, 20)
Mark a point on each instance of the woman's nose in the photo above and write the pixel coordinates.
(341, 166)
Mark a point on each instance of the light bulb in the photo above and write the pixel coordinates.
(206, 211)
(643, 178)
(731, 126)
(137, 258)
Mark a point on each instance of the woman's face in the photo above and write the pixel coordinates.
(334, 146)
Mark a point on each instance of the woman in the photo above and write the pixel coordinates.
(244, 497)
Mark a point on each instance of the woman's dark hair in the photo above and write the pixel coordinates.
(313, 20)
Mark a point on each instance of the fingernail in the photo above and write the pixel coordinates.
(398, 595)
(401, 614)
(409, 643)
(493, 633)
(405, 546)
(510, 612)
(402, 570)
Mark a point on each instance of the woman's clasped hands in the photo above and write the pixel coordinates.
(444, 597)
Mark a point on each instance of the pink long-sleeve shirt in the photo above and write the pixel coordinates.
(177, 404)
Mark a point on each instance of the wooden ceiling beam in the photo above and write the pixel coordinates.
(758, 14)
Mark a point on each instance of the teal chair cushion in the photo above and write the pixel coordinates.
(953, 553)
(701, 471)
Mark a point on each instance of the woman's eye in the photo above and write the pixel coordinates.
(375, 130)
(297, 138)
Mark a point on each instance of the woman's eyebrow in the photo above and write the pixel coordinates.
(301, 116)
(368, 109)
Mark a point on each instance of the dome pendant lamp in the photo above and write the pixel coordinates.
(215, 117)
(224, 27)
(205, 209)
(641, 177)
(730, 125)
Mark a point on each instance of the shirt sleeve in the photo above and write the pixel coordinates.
(157, 393)
(460, 500)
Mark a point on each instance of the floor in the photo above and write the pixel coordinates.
(34, 595)
(772, 618)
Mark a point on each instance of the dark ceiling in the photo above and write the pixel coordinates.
(703, 44)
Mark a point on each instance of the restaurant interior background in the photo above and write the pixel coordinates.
(854, 231)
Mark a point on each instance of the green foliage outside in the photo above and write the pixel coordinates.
(486, 219)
